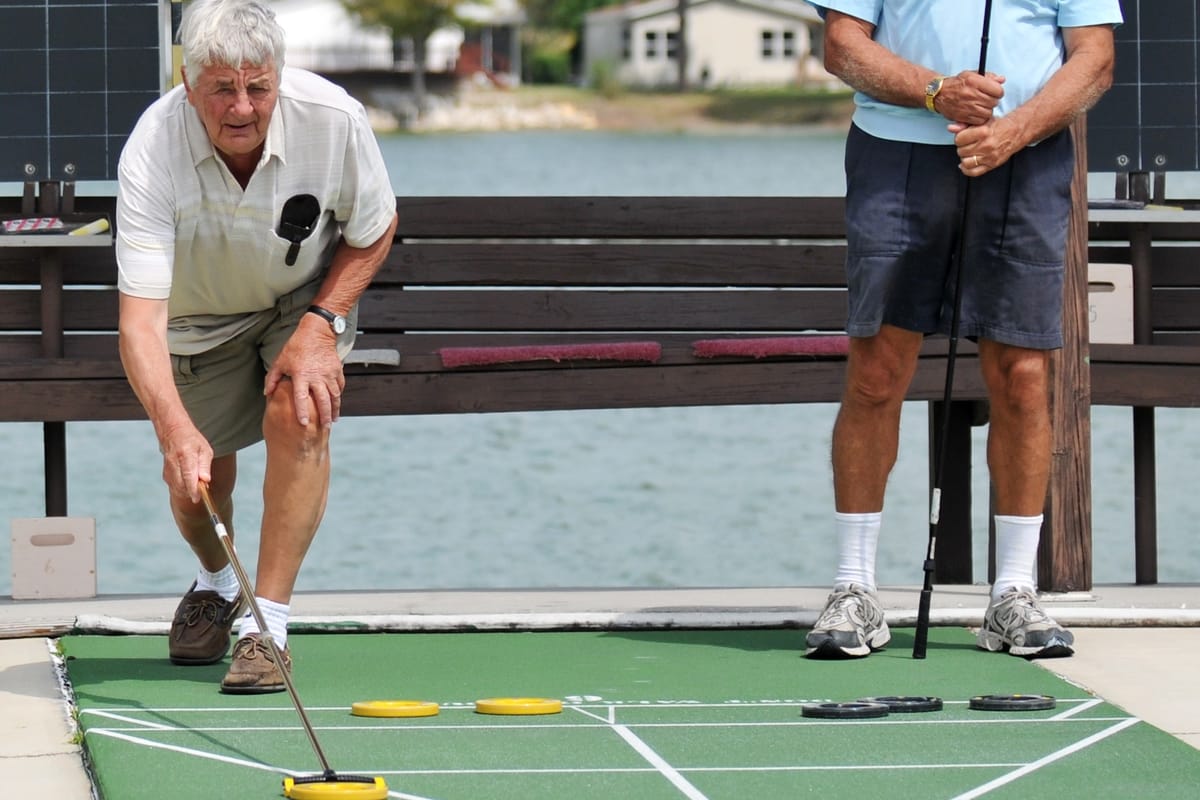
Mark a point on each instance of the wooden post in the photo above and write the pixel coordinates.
(1065, 552)
(54, 434)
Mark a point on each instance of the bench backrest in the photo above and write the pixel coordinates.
(549, 265)
(485, 273)
(478, 275)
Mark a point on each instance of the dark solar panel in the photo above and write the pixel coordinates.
(74, 77)
(1147, 122)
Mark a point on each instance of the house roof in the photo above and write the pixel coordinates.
(493, 12)
(328, 19)
(793, 9)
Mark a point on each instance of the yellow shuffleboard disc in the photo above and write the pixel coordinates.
(394, 708)
(360, 790)
(518, 705)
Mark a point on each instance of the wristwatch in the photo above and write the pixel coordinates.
(336, 321)
(931, 91)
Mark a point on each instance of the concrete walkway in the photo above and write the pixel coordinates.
(1136, 647)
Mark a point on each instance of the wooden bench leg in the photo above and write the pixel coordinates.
(953, 563)
(54, 446)
(1145, 498)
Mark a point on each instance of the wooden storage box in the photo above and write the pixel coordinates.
(53, 558)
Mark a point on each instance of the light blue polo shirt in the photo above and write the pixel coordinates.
(1025, 45)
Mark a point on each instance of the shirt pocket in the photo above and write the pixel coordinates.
(310, 257)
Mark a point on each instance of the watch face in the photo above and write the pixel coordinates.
(934, 86)
(339, 325)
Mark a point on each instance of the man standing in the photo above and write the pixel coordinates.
(253, 209)
(925, 122)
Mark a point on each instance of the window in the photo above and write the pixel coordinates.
(651, 44)
(789, 44)
(768, 44)
(672, 45)
(626, 43)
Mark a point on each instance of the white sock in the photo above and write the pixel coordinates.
(1016, 553)
(223, 582)
(858, 537)
(276, 617)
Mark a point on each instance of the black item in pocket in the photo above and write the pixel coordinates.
(296, 222)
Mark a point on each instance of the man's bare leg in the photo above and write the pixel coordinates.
(866, 434)
(295, 491)
(193, 520)
(205, 617)
(1019, 448)
(1019, 435)
(865, 441)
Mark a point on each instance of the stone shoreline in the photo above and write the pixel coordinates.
(475, 109)
(504, 117)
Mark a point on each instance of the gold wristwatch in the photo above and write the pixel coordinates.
(931, 91)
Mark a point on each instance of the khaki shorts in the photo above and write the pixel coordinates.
(222, 388)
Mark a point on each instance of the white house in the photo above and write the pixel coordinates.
(730, 43)
(323, 36)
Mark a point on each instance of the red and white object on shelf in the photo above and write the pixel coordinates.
(33, 225)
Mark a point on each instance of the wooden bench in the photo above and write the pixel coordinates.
(492, 304)
(512, 304)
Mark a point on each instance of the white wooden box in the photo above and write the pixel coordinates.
(1110, 303)
(53, 558)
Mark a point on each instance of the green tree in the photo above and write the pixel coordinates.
(562, 15)
(553, 31)
(409, 19)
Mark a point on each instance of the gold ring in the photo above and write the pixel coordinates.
(976, 160)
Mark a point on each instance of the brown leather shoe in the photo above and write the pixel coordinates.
(201, 627)
(253, 670)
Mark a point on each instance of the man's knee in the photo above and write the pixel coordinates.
(1018, 378)
(879, 370)
(280, 423)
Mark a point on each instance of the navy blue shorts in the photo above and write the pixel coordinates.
(903, 214)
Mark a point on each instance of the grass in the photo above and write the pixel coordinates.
(668, 110)
(781, 106)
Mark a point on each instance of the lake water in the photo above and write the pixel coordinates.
(730, 496)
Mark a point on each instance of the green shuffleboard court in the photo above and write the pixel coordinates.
(646, 715)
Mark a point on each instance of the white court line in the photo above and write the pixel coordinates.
(1079, 709)
(655, 761)
(670, 773)
(1004, 780)
(817, 723)
(609, 719)
(639, 770)
(461, 706)
(797, 723)
(139, 724)
(659, 764)
(238, 762)
(187, 751)
(166, 710)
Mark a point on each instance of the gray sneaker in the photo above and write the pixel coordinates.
(1016, 623)
(851, 626)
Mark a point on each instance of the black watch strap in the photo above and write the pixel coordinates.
(335, 321)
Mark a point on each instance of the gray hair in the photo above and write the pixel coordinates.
(229, 33)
